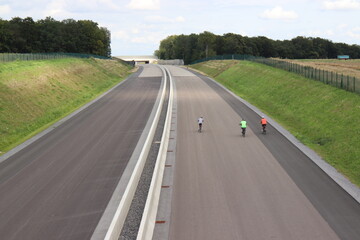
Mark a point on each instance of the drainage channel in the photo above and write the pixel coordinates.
(132, 222)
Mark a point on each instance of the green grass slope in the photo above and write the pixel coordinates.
(35, 94)
(322, 117)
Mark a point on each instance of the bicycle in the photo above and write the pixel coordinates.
(263, 129)
(243, 127)
(243, 131)
(263, 124)
(200, 127)
(200, 122)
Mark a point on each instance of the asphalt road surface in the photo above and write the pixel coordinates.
(59, 186)
(257, 187)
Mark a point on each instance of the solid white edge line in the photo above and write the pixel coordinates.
(147, 224)
(23, 145)
(341, 180)
(124, 206)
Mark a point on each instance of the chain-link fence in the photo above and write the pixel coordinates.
(349, 83)
(8, 57)
(226, 57)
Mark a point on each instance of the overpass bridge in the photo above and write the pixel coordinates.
(146, 59)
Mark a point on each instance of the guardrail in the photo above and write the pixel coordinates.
(118, 220)
(147, 224)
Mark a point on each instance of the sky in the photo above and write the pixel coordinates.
(138, 26)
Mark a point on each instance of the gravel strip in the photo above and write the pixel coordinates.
(133, 219)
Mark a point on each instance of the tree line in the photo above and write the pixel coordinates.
(198, 46)
(51, 36)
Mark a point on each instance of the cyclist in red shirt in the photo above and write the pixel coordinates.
(263, 122)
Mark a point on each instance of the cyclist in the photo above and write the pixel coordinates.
(263, 122)
(243, 127)
(200, 122)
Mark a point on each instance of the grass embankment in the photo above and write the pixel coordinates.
(322, 117)
(35, 94)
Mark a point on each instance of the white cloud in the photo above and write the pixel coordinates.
(342, 26)
(354, 33)
(180, 19)
(257, 3)
(135, 31)
(56, 8)
(120, 35)
(149, 38)
(140, 34)
(144, 4)
(161, 19)
(4, 9)
(320, 33)
(342, 5)
(92, 5)
(279, 13)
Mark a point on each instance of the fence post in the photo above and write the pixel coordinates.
(336, 80)
(341, 84)
(354, 84)
(327, 77)
(308, 72)
(313, 73)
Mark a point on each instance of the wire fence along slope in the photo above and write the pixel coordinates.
(346, 82)
(9, 57)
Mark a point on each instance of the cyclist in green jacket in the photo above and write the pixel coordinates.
(243, 127)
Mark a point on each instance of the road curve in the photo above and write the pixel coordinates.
(59, 186)
(257, 187)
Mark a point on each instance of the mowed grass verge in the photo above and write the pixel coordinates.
(35, 94)
(322, 117)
